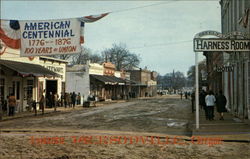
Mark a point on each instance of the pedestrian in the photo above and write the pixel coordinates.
(62, 99)
(186, 95)
(78, 98)
(41, 103)
(221, 102)
(73, 99)
(50, 100)
(66, 101)
(203, 102)
(55, 101)
(12, 104)
(210, 102)
(29, 102)
(70, 99)
(34, 106)
(181, 95)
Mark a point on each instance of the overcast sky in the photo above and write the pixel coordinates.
(161, 32)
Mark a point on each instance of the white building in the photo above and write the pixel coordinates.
(30, 77)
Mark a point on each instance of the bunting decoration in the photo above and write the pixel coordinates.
(10, 33)
(245, 18)
(2, 47)
(89, 19)
(82, 33)
(93, 18)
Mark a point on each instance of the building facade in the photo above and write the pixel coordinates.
(229, 71)
(29, 77)
(101, 81)
(146, 85)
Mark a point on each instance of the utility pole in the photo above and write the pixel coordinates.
(1, 107)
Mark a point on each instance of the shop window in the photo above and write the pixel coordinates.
(29, 88)
(13, 88)
(17, 90)
(1, 88)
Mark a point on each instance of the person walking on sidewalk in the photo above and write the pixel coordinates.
(41, 103)
(221, 102)
(181, 95)
(203, 102)
(12, 104)
(210, 102)
(73, 99)
(55, 101)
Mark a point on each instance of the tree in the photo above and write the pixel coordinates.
(174, 80)
(121, 57)
(191, 73)
(84, 56)
(62, 57)
(81, 58)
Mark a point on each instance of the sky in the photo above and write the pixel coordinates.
(160, 32)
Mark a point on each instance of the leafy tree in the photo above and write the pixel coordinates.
(121, 57)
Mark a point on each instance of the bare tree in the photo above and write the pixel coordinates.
(173, 80)
(63, 57)
(191, 73)
(84, 56)
(121, 57)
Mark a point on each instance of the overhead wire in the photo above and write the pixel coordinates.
(162, 44)
(145, 6)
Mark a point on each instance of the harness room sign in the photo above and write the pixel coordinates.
(202, 44)
(50, 37)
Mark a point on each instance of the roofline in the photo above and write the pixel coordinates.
(53, 59)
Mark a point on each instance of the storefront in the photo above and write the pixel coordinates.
(54, 85)
(21, 80)
(30, 77)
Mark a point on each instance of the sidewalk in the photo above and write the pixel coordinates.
(231, 128)
(59, 110)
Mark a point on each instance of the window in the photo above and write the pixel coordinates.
(29, 88)
(1, 88)
(17, 90)
(13, 88)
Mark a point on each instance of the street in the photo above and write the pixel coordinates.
(160, 115)
(93, 132)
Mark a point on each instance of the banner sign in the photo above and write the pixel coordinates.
(201, 44)
(50, 37)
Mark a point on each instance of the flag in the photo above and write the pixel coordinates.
(10, 33)
(93, 18)
(2, 47)
(245, 19)
(89, 19)
(82, 33)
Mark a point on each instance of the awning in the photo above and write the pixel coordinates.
(112, 80)
(136, 83)
(27, 69)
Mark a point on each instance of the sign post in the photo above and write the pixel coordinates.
(197, 90)
(223, 43)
